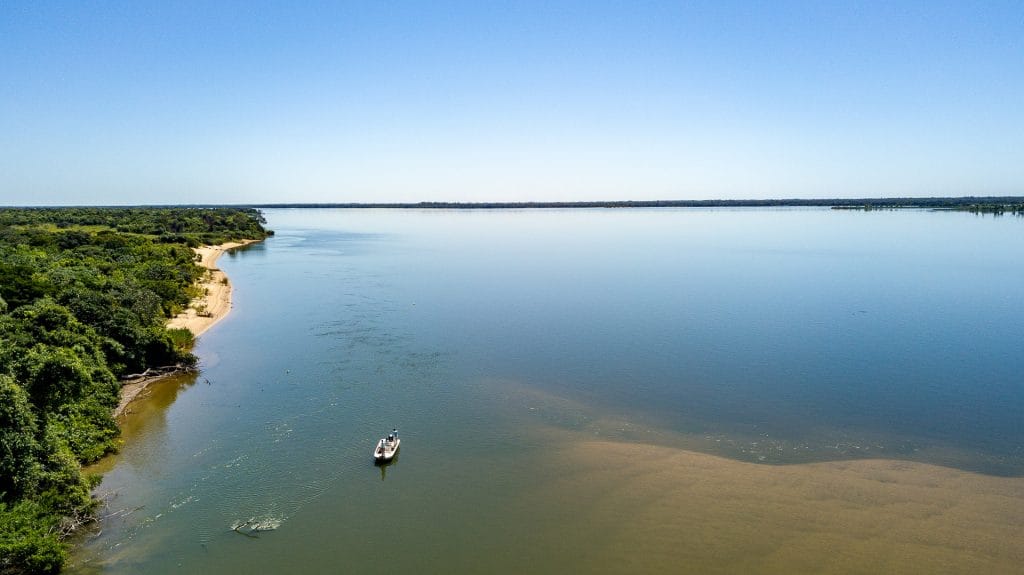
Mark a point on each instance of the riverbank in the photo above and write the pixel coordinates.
(202, 313)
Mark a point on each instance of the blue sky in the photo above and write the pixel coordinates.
(198, 102)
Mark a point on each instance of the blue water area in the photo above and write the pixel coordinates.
(835, 331)
(776, 336)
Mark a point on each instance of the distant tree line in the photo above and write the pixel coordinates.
(986, 207)
(939, 203)
(997, 209)
(85, 294)
(192, 226)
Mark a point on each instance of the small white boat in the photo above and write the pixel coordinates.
(387, 447)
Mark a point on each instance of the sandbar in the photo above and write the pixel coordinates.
(655, 509)
(617, 493)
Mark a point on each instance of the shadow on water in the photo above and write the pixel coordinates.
(248, 249)
(384, 465)
(146, 416)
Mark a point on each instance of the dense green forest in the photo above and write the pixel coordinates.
(84, 297)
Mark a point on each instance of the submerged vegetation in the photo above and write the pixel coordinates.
(85, 294)
(996, 209)
(995, 206)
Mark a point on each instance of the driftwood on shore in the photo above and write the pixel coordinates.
(157, 372)
(71, 523)
(133, 385)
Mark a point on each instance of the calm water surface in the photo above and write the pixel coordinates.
(771, 336)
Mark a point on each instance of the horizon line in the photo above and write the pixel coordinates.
(881, 202)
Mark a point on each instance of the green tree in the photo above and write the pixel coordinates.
(84, 297)
(19, 465)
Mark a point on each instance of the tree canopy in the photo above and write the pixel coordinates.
(85, 294)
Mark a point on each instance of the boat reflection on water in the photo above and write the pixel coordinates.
(383, 465)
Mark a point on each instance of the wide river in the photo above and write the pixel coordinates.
(600, 390)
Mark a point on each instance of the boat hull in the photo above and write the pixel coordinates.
(385, 451)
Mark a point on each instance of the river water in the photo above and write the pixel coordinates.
(550, 371)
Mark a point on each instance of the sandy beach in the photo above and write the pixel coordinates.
(202, 313)
(214, 306)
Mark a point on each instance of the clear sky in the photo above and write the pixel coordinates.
(234, 102)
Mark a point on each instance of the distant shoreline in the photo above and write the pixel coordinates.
(965, 202)
(958, 202)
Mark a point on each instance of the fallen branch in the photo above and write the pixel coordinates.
(156, 371)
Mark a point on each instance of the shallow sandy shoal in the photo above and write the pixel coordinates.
(651, 509)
